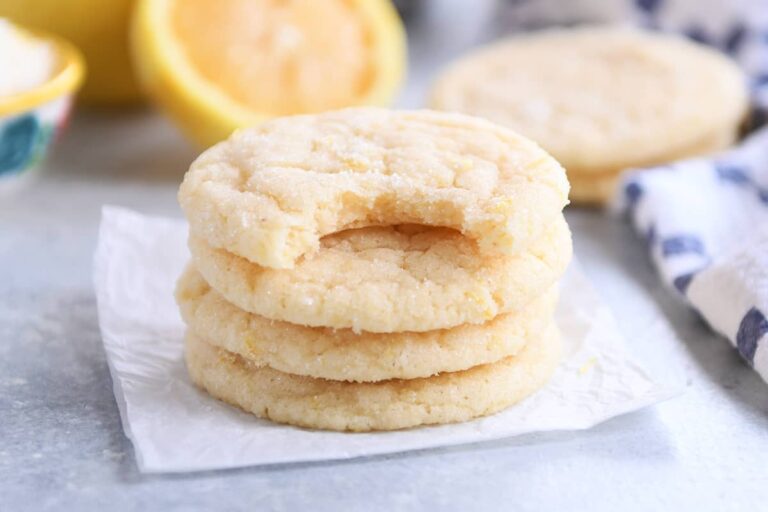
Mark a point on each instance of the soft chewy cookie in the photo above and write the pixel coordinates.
(270, 193)
(342, 354)
(602, 99)
(390, 279)
(597, 189)
(593, 189)
(385, 405)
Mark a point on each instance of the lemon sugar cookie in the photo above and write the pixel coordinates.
(593, 190)
(602, 99)
(596, 189)
(385, 405)
(270, 193)
(342, 354)
(366, 269)
(390, 279)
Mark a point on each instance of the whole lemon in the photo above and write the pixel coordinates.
(99, 28)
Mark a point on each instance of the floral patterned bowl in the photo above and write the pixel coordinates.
(31, 120)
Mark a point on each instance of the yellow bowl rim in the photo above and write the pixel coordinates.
(65, 81)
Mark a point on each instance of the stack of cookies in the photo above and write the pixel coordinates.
(368, 269)
(602, 99)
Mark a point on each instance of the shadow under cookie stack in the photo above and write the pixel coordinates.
(368, 269)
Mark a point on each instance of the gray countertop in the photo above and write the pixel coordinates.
(62, 446)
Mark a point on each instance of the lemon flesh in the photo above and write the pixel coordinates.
(277, 57)
(219, 65)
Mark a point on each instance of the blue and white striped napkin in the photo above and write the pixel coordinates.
(706, 225)
(706, 219)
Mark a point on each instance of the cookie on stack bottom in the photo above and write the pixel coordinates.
(368, 269)
(602, 99)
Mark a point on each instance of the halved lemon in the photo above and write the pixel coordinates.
(218, 65)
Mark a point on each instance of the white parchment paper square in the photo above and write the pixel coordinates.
(175, 427)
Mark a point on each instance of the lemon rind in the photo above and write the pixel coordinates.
(188, 97)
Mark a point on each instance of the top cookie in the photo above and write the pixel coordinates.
(601, 99)
(269, 193)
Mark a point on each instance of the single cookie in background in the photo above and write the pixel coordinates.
(343, 355)
(602, 99)
(391, 279)
(599, 189)
(271, 192)
(593, 190)
(386, 405)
